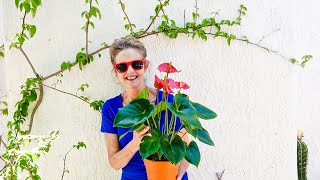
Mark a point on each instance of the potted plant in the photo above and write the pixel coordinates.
(165, 147)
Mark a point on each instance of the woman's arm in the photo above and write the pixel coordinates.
(120, 158)
(184, 163)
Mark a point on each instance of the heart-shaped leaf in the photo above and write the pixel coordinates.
(149, 145)
(136, 112)
(175, 150)
(193, 153)
(138, 127)
(204, 137)
(203, 112)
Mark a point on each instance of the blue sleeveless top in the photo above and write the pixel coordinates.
(135, 169)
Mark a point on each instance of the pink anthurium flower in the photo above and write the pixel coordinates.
(167, 88)
(167, 67)
(182, 85)
(158, 83)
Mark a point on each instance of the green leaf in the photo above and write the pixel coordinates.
(204, 137)
(175, 150)
(1, 54)
(33, 96)
(143, 94)
(136, 112)
(80, 145)
(203, 112)
(17, 3)
(21, 40)
(83, 13)
(66, 65)
(123, 6)
(160, 107)
(293, 60)
(92, 24)
(138, 128)
(193, 153)
(183, 109)
(32, 30)
(149, 146)
(26, 6)
(190, 129)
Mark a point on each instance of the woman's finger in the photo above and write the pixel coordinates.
(143, 131)
(148, 134)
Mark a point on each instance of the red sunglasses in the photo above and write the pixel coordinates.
(135, 64)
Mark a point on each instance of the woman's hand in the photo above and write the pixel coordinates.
(179, 177)
(137, 137)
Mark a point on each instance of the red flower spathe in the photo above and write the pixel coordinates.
(167, 67)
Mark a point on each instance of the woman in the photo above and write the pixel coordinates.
(128, 58)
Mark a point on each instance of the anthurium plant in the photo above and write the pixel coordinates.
(164, 142)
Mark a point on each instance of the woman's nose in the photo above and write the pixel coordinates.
(130, 69)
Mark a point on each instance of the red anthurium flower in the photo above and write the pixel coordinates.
(167, 67)
(158, 83)
(182, 85)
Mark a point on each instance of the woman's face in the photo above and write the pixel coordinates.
(131, 79)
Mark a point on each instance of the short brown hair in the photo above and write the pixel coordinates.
(125, 43)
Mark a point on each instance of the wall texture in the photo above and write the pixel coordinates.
(261, 99)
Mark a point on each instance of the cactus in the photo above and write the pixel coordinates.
(302, 153)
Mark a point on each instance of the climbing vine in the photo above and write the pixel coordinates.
(16, 158)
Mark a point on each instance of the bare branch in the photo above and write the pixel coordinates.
(27, 58)
(28, 169)
(263, 37)
(64, 162)
(69, 94)
(4, 144)
(87, 27)
(154, 18)
(74, 63)
(36, 106)
(127, 17)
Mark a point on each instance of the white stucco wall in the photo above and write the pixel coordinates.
(260, 98)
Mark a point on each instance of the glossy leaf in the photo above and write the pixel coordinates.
(204, 137)
(175, 150)
(183, 109)
(193, 153)
(143, 94)
(138, 127)
(136, 112)
(203, 112)
(149, 145)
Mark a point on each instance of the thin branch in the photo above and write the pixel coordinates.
(66, 93)
(263, 37)
(220, 174)
(28, 169)
(130, 25)
(3, 159)
(36, 106)
(74, 63)
(23, 22)
(69, 94)
(64, 163)
(4, 167)
(27, 58)
(154, 18)
(87, 27)
(4, 144)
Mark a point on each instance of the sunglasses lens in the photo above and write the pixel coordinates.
(137, 65)
(122, 68)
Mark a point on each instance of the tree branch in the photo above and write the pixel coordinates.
(36, 106)
(68, 94)
(28, 169)
(87, 27)
(25, 55)
(154, 18)
(64, 163)
(263, 37)
(122, 7)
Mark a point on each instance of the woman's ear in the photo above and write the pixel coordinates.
(146, 65)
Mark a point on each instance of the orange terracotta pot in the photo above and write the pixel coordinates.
(161, 170)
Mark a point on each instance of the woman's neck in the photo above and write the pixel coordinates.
(130, 94)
